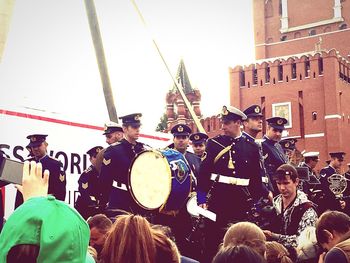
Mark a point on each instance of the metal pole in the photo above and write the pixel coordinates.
(6, 9)
(101, 59)
(178, 85)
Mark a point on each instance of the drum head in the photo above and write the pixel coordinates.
(150, 179)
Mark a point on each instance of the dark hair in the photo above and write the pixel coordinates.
(240, 253)
(101, 222)
(23, 253)
(286, 170)
(333, 221)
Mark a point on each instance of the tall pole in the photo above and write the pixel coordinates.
(6, 9)
(101, 59)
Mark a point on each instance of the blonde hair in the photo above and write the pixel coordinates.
(246, 233)
(276, 253)
(130, 240)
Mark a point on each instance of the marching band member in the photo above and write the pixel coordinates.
(57, 179)
(115, 165)
(88, 199)
(272, 151)
(252, 126)
(199, 143)
(330, 201)
(232, 162)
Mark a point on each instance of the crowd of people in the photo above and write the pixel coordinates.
(254, 201)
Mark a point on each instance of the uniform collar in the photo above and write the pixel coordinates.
(248, 135)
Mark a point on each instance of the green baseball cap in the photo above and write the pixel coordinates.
(59, 230)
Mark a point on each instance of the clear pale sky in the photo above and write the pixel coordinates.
(49, 61)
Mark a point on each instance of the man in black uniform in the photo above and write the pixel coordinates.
(308, 185)
(231, 174)
(273, 153)
(88, 200)
(252, 126)
(115, 166)
(181, 141)
(330, 201)
(199, 141)
(57, 178)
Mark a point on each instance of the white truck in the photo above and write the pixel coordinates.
(67, 141)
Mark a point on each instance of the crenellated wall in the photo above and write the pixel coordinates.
(316, 87)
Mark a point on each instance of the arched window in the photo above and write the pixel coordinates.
(312, 32)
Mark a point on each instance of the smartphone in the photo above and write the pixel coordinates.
(11, 171)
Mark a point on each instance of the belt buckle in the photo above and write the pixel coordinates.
(233, 180)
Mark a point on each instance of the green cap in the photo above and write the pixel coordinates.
(59, 230)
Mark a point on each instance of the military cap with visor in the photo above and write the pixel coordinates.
(94, 150)
(198, 138)
(253, 111)
(111, 127)
(133, 120)
(277, 122)
(229, 113)
(288, 144)
(181, 130)
(35, 140)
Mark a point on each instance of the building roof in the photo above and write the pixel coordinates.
(182, 78)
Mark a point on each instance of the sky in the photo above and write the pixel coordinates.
(49, 62)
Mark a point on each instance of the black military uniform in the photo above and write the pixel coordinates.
(57, 177)
(231, 172)
(309, 184)
(273, 153)
(329, 200)
(199, 138)
(88, 200)
(255, 111)
(117, 159)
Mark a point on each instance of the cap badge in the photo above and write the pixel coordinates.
(98, 150)
(224, 110)
(196, 137)
(257, 109)
(180, 129)
(279, 121)
(137, 117)
(33, 139)
(85, 186)
(105, 128)
(287, 144)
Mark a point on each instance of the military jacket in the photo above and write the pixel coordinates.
(230, 202)
(263, 173)
(114, 175)
(273, 158)
(329, 200)
(194, 163)
(57, 178)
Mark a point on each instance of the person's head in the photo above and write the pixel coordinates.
(131, 126)
(288, 145)
(237, 254)
(99, 226)
(276, 253)
(245, 233)
(46, 229)
(113, 132)
(253, 124)
(129, 240)
(198, 143)
(337, 159)
(181, 133)
(275, 127)
(231, 120)
(311, 159)
(286, 177)
(38, 145)
(166, 249)
(93, 153)
(23, 254)
(331, 228)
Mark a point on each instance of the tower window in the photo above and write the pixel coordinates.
(280, 72)
(312, 32)
(294, 70)
(283, 38)
(343, 26)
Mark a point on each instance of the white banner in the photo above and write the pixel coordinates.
(67, 141)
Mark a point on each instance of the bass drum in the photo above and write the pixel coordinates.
(160, 180)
